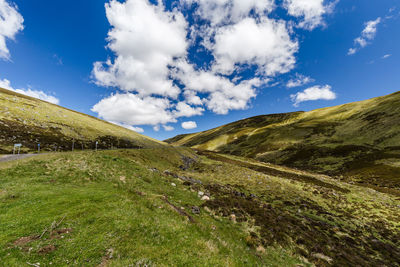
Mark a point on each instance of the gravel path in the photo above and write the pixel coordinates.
(15, 157)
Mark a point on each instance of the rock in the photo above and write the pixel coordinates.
(205, 198)
(195, 210)
(173, 184)
(200, 193)
(110, 253)
(260, 249)
(322, 257)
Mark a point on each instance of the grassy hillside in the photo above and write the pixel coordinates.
(30, 121)
(145, 208)
(358, 142)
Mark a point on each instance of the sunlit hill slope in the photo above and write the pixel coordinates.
(30, 121)
(358, 142)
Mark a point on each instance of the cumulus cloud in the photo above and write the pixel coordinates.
(311, 12)
(184, 110)
(131, 109)
(299, 80)
(188, 125)
(223, 94)
(168, 128)
(230, 11)
(11, 22)
(145, 39)
(6, 84)
(367, 35)
(153, 47)
(129, 127)
(267, 45)
(313, 93)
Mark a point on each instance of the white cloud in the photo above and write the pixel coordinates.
(266, 44)
(168, 128)
(386, 56)
(230, 11)
(223, 94)
(29, 92)
(184, 110)
(131, 109)
(145, 40)
(152, 50)
(313, 93)
(299, 80)
(311, 11)
(367, 35)
(129, 127)
(188, 125)
(11, 22)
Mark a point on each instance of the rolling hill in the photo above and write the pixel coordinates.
(357, 142)
(30, 121)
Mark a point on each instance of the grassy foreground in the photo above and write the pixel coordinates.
(109, 209)
(142, 208)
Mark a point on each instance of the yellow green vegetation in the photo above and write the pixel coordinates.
(172, 207)
(357, 142)
(30, 121)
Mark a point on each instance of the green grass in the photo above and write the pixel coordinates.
(112, 201)
(359, 141)
(112, 204)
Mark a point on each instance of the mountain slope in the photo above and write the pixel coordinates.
(359, 141)
(30, 121)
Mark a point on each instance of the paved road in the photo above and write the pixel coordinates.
(15, 157)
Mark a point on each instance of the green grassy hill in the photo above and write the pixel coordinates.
(358, 142)
(30, 121)
(171, 207)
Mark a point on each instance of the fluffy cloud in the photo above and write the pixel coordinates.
(145, 39)
(223, 94)
(131, 109)
(11, 22)
(299, 80)
(367, 35)
(29, 92)
(311, 11)
(313, 93)
(266, 44)
(386, 56)
(153, 48)
(129, 127)
(188, 125)
(230, 11)
(184, 110)
(168, 128)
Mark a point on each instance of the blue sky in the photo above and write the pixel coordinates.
(208, 64)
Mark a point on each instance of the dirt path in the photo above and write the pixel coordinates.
(6, 158)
